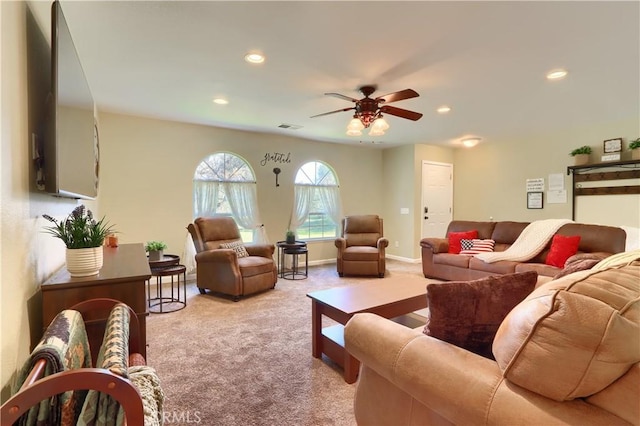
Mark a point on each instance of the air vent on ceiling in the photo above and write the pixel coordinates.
(290, 126)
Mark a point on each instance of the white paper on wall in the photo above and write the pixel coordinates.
(556, 197)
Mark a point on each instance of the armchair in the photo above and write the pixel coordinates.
(224, 270)
(361, 246)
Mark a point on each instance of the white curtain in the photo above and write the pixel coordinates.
(189, 255)
(205, 197)
(302, 196)
(330, 198)
(243, 200)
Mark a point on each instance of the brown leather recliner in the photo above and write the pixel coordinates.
(361, 247)
(221, 269)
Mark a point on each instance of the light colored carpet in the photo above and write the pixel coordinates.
(249, 362)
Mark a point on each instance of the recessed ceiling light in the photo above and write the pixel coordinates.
(220, 101)
(444, 109)
(254, 58)
(556, 74)
(470, 142)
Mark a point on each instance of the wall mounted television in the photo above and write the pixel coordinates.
(70, 151)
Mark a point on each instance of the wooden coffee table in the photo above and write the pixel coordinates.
(386, 299)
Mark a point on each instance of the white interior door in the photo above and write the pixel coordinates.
(437, 198)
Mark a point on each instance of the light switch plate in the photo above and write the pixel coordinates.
(404, 210)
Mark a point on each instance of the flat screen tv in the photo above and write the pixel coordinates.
(70, 146)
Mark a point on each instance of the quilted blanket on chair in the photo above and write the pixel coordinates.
(64, 346)
(529, 243)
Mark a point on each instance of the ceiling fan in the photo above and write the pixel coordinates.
(368, 110)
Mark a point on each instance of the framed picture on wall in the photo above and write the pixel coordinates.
(534, 200)
(613, 145)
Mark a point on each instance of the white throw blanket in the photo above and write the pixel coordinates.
(530, 242)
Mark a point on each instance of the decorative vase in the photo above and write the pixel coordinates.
(84, 262)
(291, 239)
(155, 255)
(580, 159)
(635, 154)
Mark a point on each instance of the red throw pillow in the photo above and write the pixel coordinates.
(455, 237)
(562, 248)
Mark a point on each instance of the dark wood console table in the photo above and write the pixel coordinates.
(122, 277)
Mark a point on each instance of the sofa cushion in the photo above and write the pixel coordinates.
(476, 246)
(574, 336)
(236, 246)
(468, 313)
(580, 265)
(562, 248)
(455, 239)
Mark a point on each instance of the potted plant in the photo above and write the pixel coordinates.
(634, 146)
(291, 237)
(581, 155)
(83, 236)
(155, 249)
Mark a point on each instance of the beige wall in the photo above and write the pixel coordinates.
(147, 169)
(27, 256)
(490, 179)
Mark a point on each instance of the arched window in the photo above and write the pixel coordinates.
(316, 205)
(224, 185)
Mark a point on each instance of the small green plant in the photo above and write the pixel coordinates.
(582, 150)
(634, 144)
(155, 246)
(291, 236)
(79, 229)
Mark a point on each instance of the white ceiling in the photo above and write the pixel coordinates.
(487, 60)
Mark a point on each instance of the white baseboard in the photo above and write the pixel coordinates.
(404, 259)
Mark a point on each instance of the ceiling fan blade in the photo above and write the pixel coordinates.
(346, 98)
(333, 112)
(399, 112)
(398, 96)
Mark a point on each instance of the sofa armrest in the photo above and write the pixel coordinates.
(262, 250)
(341, 243)
(382, 243)
(437, 245)
(437, 374)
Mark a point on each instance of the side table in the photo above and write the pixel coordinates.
(294, 249)
(167, 266)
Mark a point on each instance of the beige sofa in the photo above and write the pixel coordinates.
(438, 263)
(568, 354)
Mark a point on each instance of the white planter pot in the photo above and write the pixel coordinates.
(84, 262)
(155, 255)
(635, 154)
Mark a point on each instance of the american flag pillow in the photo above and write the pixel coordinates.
(476, 246)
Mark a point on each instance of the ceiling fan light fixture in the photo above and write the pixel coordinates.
(354, 132)
(380, 124)
(355, 124)
(376, 132)
(443, 109)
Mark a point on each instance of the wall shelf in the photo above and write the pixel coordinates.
(629, 169)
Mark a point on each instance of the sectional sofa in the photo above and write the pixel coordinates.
(595, 240)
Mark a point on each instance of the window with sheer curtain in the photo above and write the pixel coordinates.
(316, 206)
(224, 185)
